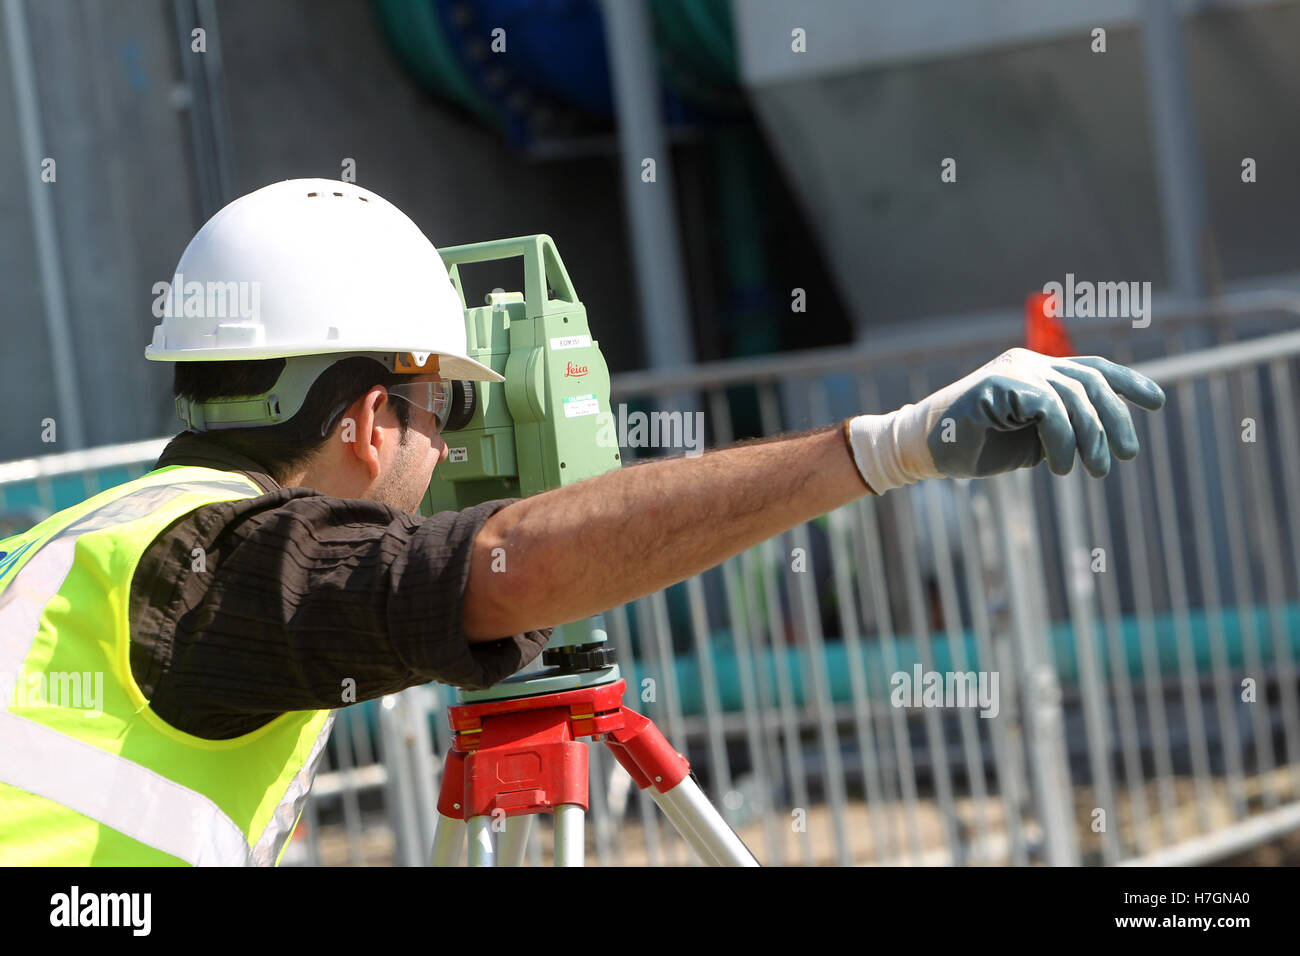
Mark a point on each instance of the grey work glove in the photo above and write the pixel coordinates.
(1012, 413)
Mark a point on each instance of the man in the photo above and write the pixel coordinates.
(273, 566)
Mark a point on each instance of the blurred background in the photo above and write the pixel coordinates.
(851, 205)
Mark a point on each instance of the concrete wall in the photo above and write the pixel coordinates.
(122, 210)
(1052, 142)
(306, 85)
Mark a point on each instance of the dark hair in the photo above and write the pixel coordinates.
(281, 448)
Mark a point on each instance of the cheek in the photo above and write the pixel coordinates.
(431, 453)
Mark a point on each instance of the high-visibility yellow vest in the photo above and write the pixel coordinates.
(91, 777)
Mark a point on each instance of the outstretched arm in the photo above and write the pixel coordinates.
(596, 544)
(599, 543)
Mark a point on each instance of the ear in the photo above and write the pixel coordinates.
(367, 437)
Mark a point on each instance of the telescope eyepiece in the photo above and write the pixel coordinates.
(463, 405)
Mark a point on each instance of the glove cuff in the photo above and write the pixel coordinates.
(878, 448)
(848, 442)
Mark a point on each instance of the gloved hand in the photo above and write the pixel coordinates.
(1013, 412)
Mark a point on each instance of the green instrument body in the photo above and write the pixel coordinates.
(539, 429)
(545, 426)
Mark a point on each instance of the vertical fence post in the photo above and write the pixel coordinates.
(1048, 757)
(402, 796)
(1080, 592)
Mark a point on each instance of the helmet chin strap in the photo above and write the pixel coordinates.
(277, 404)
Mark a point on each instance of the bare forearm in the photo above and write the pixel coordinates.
(582, 549)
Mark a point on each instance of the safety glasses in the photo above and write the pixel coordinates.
(433, 397)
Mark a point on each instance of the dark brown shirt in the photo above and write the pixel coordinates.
(296, 599)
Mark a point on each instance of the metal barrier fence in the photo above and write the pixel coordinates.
(1132, 641)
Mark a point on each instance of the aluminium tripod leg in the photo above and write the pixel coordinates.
(449, 826)
(708, 835)
(570, 838)
(655, 766)
(514, 840)
(685, 828)
(448, 838)
(482, 847)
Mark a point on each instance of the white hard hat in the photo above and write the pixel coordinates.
(312, 267)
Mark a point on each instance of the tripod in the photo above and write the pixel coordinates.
(515, 757)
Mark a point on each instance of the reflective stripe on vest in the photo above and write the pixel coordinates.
(104, 786)
(93, 782)
(281, 826)
(41, 577)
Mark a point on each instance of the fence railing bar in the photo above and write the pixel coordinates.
(778, 640)
(1266, 530)
(817, 689)
(1122, 687)
(755, 699)
(1236, 518)
(1005, 753)
(943, 566)
(1212, 598)
(1176, 577)
(895, 347)
(1235, 838)
(920, 625)
(862, 722)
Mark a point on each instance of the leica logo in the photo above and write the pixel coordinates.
(574, 371)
